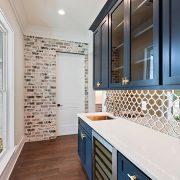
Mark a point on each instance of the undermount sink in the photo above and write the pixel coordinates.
(99, 118)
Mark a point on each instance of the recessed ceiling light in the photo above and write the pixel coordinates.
(61, 12)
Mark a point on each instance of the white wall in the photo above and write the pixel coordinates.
(90, 73)
(1, 122)
(18, 71)
(67, 34)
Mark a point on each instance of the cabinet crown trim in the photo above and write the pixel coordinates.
(105, 10)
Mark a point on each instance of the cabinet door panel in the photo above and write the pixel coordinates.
(141, 40)
(88, 157)
(117, 67)
(80, 145)
(171, 42)
(97, 58)
(101, 58)
(104, 53)
(85, 150)
(144, 40)
(126, 170)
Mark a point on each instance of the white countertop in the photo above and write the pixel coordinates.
(155, 153)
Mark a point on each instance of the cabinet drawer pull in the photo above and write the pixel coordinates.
(83, 136)
(132, 177)
(98, 84)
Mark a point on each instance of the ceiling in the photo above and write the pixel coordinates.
(41, 16)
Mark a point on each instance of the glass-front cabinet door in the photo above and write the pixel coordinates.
(134, 43)
(144, 46)
(171, 42)
(116, 44)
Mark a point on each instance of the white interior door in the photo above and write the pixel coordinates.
(70, 92)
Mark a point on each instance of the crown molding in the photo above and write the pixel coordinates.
(54, 33)
(21, 24)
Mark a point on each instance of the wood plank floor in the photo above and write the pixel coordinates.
(49, 160)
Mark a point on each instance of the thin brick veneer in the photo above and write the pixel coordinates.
(40, 84)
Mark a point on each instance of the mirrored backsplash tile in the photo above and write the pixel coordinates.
(156, 109)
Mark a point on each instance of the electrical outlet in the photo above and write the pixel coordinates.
(144, 103)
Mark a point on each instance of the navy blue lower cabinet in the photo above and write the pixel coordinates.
(85, 149)
(127, 170)
(80, 146)
(88, 157)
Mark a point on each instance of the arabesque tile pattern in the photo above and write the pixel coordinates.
(162, 108)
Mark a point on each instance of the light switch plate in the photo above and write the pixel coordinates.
(144, 104)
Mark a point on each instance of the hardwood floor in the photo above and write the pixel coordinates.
(49, 160)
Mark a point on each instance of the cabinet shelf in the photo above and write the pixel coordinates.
(118, 68)
(143, 31)
(119, 25)
(142, 60)
(141, 5)
(119, 46)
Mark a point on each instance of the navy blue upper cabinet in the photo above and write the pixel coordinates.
(101, 46)
(143, 41)
(171, 42)
(142, 50)
(117, 63)
(134, 43)
(96, 59)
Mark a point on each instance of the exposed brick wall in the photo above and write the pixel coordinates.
(117, 66)
(98, 107)
(40, 84)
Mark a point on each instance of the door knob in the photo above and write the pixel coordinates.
(59, 105)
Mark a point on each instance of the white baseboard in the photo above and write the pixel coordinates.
(10, 165)
(68, 130)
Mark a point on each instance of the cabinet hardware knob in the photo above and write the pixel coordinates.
(83, 136)
(132, 177)
(98, 84)
(123, 81)
(126, 81)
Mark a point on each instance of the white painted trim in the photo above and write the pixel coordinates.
(10, 160)
(68, 130)
(6, 161)
(5, 21)
(104, 108)
(21, 24)
(9, 76)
